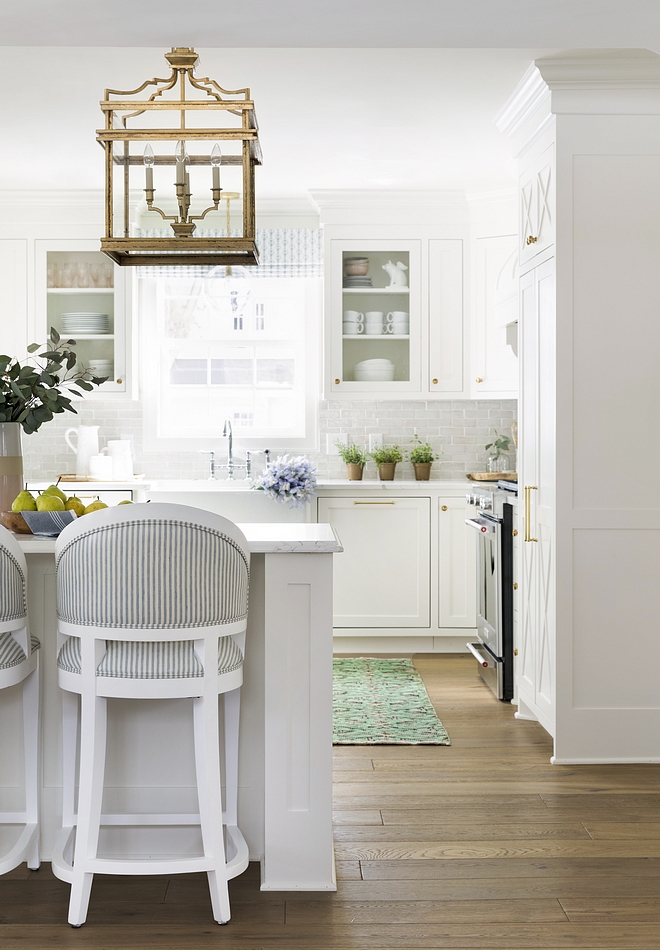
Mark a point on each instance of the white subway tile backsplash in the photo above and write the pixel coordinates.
(459, 429)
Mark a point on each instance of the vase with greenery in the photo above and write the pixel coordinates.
(386, 457)
(33, 392)
(355, 459)
(497, 459)
(422, 457)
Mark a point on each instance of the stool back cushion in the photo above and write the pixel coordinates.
(13, 603)
(152, 574)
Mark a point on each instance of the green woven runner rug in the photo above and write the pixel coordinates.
(382, 702)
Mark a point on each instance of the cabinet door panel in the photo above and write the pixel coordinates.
(445, 366)
(382, 579)
(495, 364)
(457, 562)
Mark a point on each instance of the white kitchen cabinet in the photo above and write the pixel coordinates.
(537, 205)
(536, 658)
(494, 362)
(429, 359)
(457, 564)
(74, 277)
(383, 577)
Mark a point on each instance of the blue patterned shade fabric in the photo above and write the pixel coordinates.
(13, 603)
(134, 660)
(283, 252)
(11, 654)
(152, 575)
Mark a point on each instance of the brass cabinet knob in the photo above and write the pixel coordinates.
(531, 240)
(478, 379)
(515, 585)
(435, 382)
(444, 508)
(337, 382)
(515, 532)
(120, 381)
(515, 652)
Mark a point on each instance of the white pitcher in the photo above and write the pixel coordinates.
(87, 444)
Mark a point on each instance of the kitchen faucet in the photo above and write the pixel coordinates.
(231, 466)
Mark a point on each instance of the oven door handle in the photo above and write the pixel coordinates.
(484, 659)
(485, 527)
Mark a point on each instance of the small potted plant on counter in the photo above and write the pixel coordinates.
(355, 459)
(386, 458)
(422, 457)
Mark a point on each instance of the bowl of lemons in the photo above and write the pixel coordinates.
(47, 513)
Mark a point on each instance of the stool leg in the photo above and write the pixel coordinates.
(31, 758)
(93, 715)
(232, 703)
(209, 793)
(70, 716)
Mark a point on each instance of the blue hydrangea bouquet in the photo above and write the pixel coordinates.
(290, 481)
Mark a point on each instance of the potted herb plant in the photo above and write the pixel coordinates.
(31, 393)
(422, 457)
(497, 460)
(386, 458)
(355, 459)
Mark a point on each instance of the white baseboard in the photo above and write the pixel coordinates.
(385, 644)
(615, 760)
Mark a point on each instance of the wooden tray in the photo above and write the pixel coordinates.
(492, 476)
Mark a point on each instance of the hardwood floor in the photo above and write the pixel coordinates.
(482, 844)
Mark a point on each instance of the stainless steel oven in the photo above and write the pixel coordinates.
(492, 520)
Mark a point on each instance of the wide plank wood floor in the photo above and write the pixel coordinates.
(482, 844)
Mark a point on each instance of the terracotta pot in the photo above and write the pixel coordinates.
(386, 471)
(422, 471)
(354, 472)
(11, 463)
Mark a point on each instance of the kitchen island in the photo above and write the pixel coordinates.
(285, 771)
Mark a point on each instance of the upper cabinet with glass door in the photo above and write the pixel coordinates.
(376, 316)
(84, 300)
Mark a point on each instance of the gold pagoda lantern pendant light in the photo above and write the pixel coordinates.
(183, 142)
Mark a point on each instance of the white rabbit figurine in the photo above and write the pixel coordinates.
(397, 274)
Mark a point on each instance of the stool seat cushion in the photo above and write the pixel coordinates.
(11, 653)
(155, 660)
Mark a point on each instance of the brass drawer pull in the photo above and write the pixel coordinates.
(528, 490)
(531, 240)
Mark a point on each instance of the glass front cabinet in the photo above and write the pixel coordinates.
(82, 294)
(394, 317)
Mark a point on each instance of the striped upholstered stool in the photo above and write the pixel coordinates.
(152, 604)
(19, 663)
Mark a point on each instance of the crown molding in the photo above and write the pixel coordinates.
(525, 100)
(601, 69)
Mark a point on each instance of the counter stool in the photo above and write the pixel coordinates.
(19, 663)
(169, 585)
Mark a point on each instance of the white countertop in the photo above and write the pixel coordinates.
(275, 538)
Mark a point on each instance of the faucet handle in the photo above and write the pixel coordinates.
(212, 466)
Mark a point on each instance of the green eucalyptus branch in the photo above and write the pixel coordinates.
(32, 392)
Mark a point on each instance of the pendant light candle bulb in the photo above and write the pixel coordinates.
(216, 159)
(149, 167)
(180, 155)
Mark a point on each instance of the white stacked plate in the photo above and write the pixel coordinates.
(357, 282)
(374, 371)
(101, 368)
(86, 323)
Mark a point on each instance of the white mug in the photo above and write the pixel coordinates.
(397, 316)
(375, 329)
(101, 468)
(352, 328)
(374, 316)
(119, 451)
(400, 329)
(353, 316)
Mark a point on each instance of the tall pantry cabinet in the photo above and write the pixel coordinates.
(586, 126)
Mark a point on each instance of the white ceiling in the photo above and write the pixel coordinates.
(350, 93)
(332, 23)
